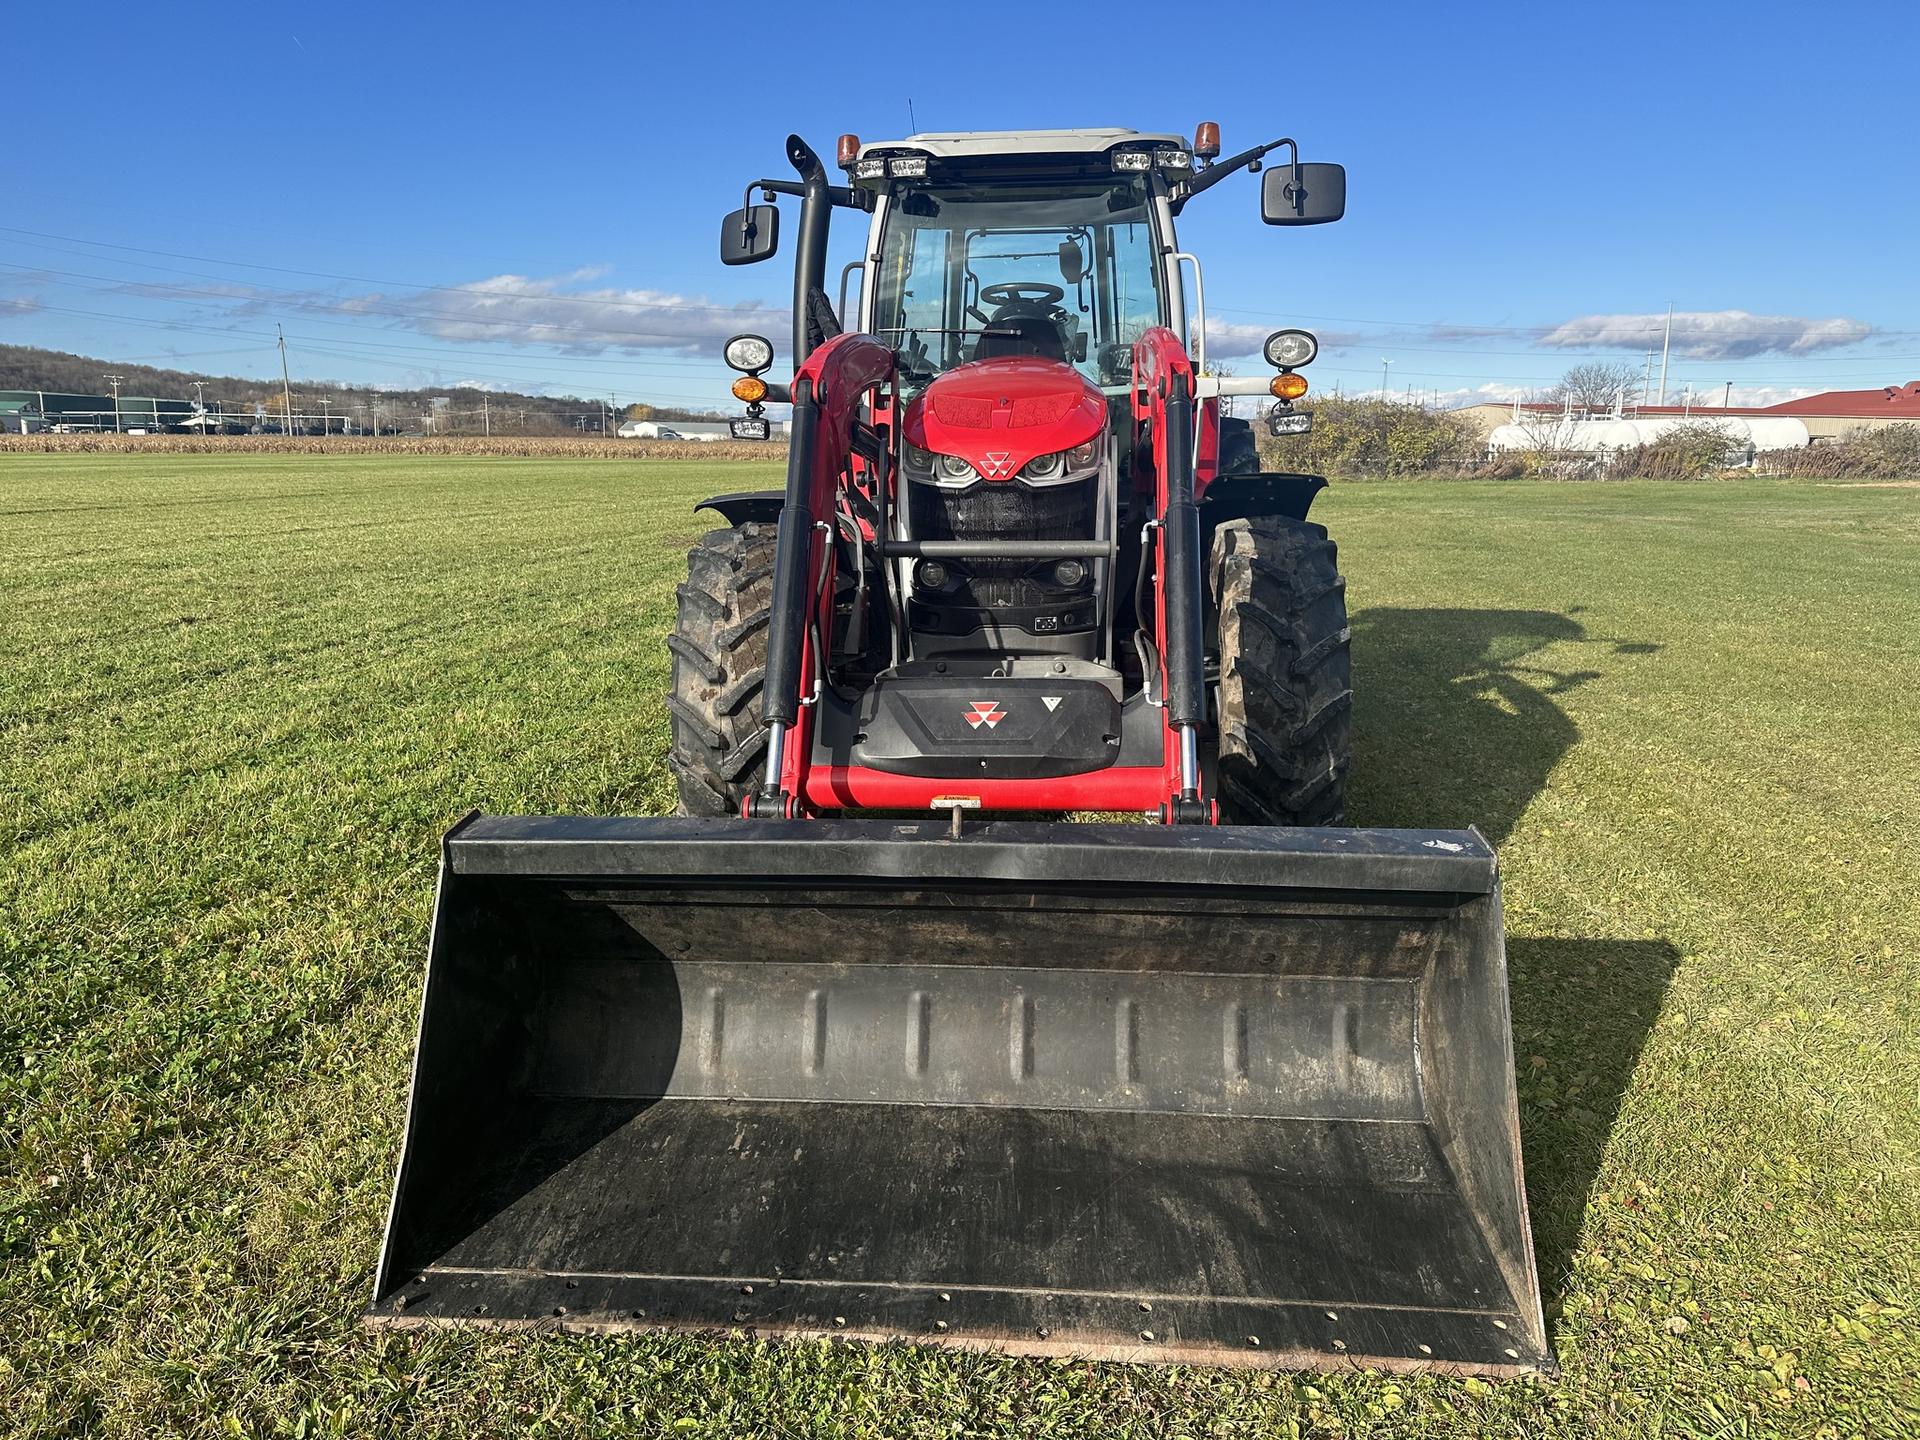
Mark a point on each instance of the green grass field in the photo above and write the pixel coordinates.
(241, 697)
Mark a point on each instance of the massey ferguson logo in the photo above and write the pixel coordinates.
(984, 712)
(995, 465)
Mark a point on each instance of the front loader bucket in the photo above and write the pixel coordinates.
(1128, 1091)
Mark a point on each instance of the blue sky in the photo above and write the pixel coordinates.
(528, 197)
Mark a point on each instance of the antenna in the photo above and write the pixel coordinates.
(913, 126)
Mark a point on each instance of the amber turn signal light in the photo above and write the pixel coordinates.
(1288, 386)
(752, 389)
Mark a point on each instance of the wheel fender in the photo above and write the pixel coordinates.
(740, 506)
(1245, 497)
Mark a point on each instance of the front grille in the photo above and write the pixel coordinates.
(1002, 512)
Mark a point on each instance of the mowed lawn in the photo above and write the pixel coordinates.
(241, 697)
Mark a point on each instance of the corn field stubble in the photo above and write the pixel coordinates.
(242, 696)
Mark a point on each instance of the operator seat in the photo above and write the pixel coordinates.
(1022, 333)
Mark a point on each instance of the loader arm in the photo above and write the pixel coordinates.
(1163, 405)
(827, 392)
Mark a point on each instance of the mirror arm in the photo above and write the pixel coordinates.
(1245, 160)
(841, 195)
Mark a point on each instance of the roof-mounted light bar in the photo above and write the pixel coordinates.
(877, 167)
(1167, 159)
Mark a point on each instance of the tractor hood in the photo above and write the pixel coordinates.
(999, 414)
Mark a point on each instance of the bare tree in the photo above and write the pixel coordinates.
(1596, 387)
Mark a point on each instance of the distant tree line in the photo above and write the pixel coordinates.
(465, 409)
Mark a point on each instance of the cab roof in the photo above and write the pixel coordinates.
(980, 144)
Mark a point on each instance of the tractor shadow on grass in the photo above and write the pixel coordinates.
(1457, 722)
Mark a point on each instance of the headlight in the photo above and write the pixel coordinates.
(954, 468)
(748, 353)
(1082, 457)
(918, 459)
(1290, 349)
(1046, 467)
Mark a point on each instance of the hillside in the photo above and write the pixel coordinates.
(454, 408)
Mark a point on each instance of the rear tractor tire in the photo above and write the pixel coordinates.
(719, 648)
(1285, 698)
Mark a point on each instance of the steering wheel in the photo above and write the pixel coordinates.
(1022, 292)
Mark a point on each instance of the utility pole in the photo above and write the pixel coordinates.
(486, 416)
(1384, 363)
(286, 385)
(1666, 347)
(326, 414)
(114, 381)
(1646, 385)
(200, 395)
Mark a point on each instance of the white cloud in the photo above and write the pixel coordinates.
(18, 305)
(1492, 392)
(524, 310)
(1235, 337)
(1709, 334)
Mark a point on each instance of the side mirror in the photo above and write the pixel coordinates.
(1320, 196)
(749, 236)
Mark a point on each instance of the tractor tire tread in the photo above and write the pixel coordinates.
(719, 651)
(1285, 696)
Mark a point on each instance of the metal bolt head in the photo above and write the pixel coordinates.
(746, 1289)
(1147, 1335)
(1146, 1305)
(1043, 1332)
(840, 1320)
(940, 1325)
(1254, 1341)
(559, 1310)
(399, 1302)
(945, 1297)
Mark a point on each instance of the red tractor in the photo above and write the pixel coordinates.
(859, 1045)
(1032, 567)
